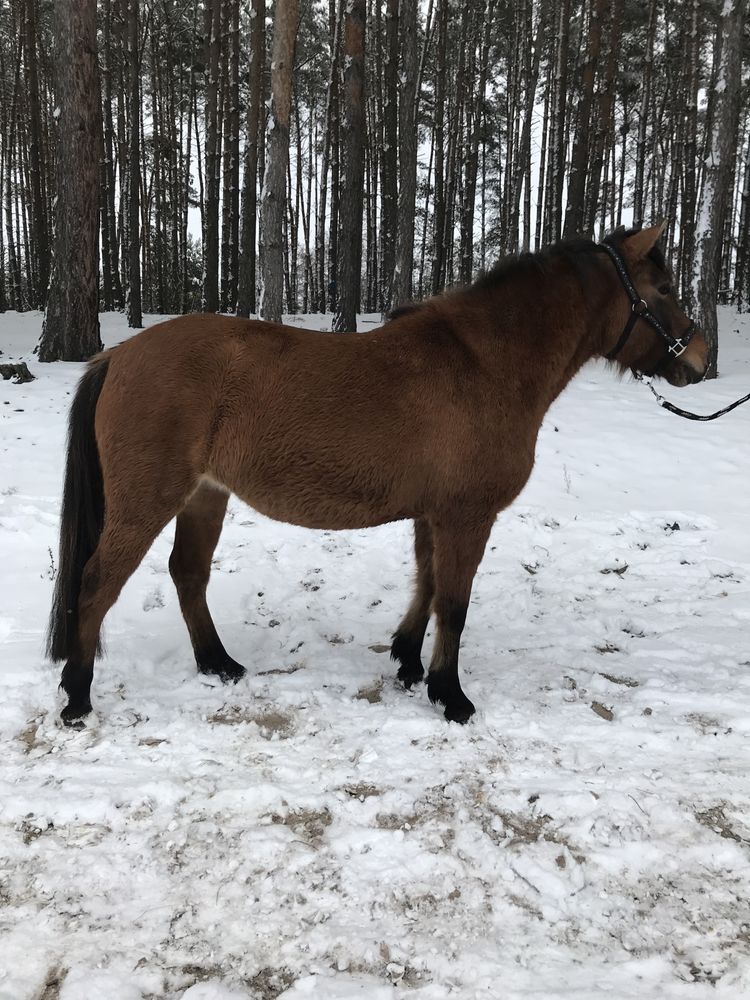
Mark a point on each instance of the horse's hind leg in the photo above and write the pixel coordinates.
(406, 648)
(197, 532)
(122, 546)
(458, 552)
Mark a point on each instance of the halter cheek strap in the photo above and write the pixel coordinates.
(639, 310)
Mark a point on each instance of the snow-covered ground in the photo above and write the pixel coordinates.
(316, 832)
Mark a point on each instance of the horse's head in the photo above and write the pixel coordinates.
(650, 332)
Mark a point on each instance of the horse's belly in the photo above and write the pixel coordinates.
(323, 512)
(323, 498)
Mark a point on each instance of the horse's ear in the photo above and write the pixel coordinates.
(640, 244)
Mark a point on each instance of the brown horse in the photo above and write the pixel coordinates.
(432, 417)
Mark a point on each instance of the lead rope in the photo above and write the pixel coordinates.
(647, 380)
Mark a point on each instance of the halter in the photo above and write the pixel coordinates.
(639, 310)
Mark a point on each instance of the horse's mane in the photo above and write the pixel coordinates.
(573, 250)
(577, 251)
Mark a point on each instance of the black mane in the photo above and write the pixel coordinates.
(572, 249)
(577, 251)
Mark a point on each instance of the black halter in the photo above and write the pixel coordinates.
(639, 310)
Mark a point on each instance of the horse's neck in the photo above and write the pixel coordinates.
(557, 335)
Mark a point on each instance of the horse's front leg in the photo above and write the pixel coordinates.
(406, 648)
(458, 550)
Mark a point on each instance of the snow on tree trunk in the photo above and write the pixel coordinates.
(404, 264)
(213, 157)
(246, 289)
(273, 198)
(133, 300)
(722, 122)
(389, 213)
(349, 258)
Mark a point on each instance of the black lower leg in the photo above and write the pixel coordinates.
(212, 658)
(443, 685)
(444, 688)
(75, 681)
(406, 650)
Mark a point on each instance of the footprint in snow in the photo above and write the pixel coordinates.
(153, 600)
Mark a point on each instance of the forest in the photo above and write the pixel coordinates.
(350, 155)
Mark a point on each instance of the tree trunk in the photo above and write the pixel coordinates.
(722, 120)
(404, 262)
(605, 105)
(213, 157)
(273, 198)
(246, 279)
(557, 136)
(466, 264)
(36, 160)
(742, 267)
(230, 226)
(330, 115)
(640, 154)
(349, 259)
(133, 304)
(580, 155)
(389, 160)
(71, 322)
(438, 249)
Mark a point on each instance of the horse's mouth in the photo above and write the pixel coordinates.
(681, 374)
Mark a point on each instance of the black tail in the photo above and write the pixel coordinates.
(82, 516)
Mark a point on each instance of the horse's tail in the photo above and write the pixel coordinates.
(82, 516)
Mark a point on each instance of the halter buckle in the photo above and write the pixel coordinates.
(640, 307)
(677, 348)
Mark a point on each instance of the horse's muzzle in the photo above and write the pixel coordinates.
(682, 373)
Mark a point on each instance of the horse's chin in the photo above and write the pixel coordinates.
(678, 374)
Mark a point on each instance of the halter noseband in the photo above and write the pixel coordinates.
(639, 310)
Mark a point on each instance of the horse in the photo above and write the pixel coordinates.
(432, 417)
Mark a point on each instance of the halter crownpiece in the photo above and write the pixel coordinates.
(639, 310)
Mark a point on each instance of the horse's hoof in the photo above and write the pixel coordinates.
(448, 692)
(460, 710)
(409, 675)
(224, 667)
(232, 672)
(72, 715)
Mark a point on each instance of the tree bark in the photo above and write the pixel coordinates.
(71, 323)
(715, 196)
(438, 216)
(213, 157)
(246, 291)
(389, 160)
(273, 198)
(580, 155)
(349, 259)
(36, 160)
(404, 261)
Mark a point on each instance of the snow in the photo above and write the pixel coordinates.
(316, 832)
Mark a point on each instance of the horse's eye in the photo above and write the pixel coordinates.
(665, 290)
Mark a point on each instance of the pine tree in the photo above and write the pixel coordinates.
(71, 323)
(273, 198)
